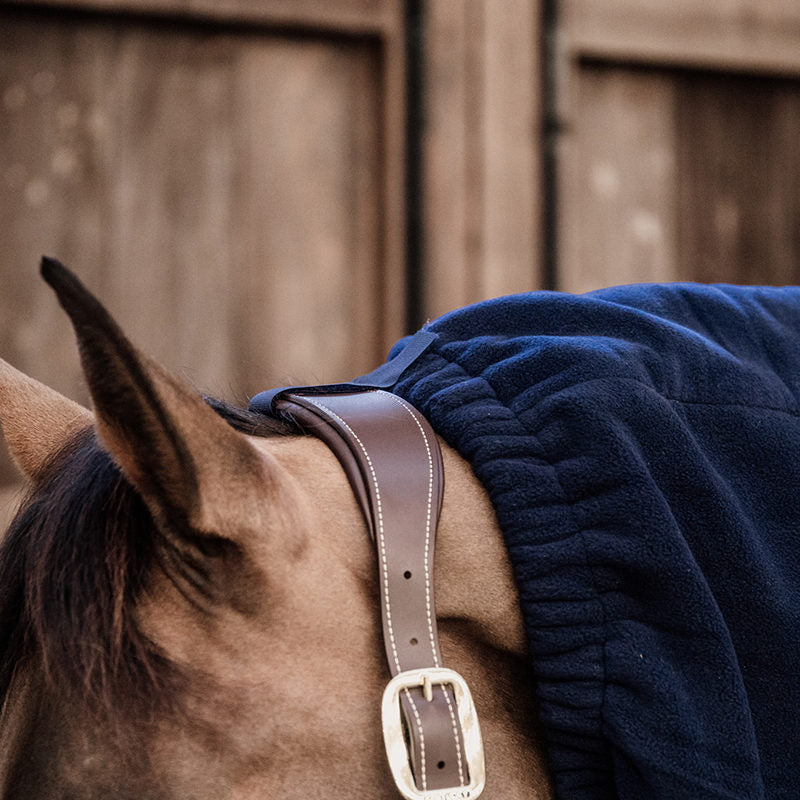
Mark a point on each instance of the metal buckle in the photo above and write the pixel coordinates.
(394, 739)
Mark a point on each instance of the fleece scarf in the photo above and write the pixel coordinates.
(641, 446)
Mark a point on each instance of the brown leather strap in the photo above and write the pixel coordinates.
(394, 463)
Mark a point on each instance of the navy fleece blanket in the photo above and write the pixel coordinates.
(642, 448)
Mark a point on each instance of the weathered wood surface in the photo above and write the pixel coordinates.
(481, 151)
(744, 35)
(738, 152)
(226, 192)
(340, 16)
(678, 175)
(618, 219)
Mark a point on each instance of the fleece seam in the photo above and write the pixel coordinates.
(578, 531)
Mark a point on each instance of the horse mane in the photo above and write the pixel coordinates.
(73, 564)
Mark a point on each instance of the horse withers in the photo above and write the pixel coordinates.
(189, 604)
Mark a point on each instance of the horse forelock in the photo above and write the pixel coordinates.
(73, 564)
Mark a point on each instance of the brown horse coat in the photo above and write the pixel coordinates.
(188, 607)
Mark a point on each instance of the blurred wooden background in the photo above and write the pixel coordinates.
(273, 191)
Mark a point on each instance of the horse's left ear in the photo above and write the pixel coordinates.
(37, 421)
(188, 464)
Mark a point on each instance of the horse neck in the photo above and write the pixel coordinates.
(480, 624)
(50, 747)
(473, 575)
(15, 723)
(482, 635)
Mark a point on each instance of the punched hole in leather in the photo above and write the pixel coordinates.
(394, 464)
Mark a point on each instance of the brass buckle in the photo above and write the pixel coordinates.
(394, 739)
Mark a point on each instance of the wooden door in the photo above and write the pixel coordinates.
(574, 144)
(678, 154)
(227, 176)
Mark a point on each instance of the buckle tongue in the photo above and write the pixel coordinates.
(395, 740)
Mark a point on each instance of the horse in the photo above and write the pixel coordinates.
(189, 604)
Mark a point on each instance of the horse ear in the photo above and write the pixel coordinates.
(37, 421)
(185, 461)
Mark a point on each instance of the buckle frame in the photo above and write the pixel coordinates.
(394, 740)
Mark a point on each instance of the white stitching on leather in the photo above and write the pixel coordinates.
(422, 767)
(455, 736)
(412, 411)
(428, 529)
(428, 583)
(381, 539)
(380, 527)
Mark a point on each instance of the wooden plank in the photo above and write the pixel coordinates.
(53, 195)
(35, 170)
(353, 17)
(678, 175)
(481, 151)
(389, 312)
(309, 196)
(448, 137)
(224, 192)
(743, 35)
(739, 165)
(168, 162)
(512, 171)
(618, 181)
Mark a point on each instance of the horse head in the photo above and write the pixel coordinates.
(189, 604)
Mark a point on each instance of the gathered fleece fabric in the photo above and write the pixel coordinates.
(641, 446)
